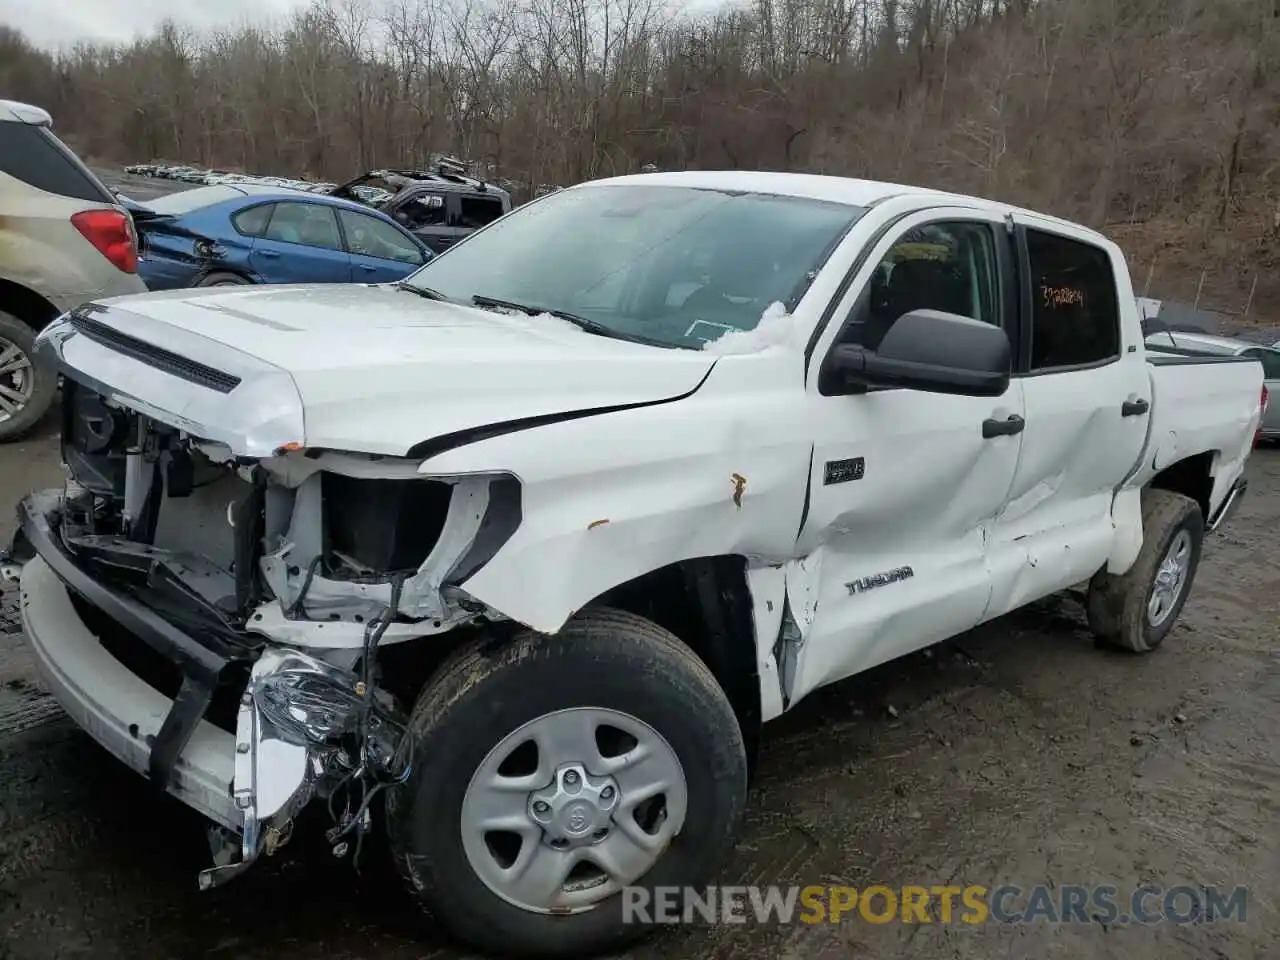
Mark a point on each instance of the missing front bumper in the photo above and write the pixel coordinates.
(293, 714)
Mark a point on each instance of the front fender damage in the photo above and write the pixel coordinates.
(314, 720)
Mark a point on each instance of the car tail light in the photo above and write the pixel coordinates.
(1262, 412)
(111, 233)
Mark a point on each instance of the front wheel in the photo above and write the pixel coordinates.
(1136, 611)
(552, 773)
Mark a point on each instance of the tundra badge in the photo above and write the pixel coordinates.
(863, 584)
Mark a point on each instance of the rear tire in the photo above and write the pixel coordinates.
(14, 333)
(1135, 611)
(467, 728)
(221, 279)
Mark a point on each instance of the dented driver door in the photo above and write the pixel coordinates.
(904, 484)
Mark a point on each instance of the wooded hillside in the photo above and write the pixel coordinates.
(1156, 120)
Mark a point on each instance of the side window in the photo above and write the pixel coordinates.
(309, 224)
(424, 210)
(951, 267)
(477, 211)
(253, 222)
(370, 237)
(39, 159)
(1075, 316)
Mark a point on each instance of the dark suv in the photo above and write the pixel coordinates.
(441, 207)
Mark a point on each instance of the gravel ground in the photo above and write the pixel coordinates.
(1017, 754)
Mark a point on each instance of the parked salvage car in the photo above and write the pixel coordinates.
(532, 543)
(1193, 343)
(235, 234)
(63, 240)
(441, 207)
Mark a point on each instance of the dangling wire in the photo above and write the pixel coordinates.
(368, 768)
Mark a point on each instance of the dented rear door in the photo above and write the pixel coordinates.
(1089, 405)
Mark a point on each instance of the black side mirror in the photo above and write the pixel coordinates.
(925, 350)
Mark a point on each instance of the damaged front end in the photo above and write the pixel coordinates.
(306, 728)
(258, 595)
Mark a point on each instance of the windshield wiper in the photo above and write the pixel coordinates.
(583, 323)
(425, 292)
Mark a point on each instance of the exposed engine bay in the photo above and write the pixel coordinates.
(261, 594)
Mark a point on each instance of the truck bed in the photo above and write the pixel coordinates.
(1177, 357)
(1201, 405)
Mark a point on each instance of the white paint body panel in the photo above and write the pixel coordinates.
(1058, 527)
(985, 525)
(378, 369)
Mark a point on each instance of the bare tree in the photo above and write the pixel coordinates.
(1140, 116)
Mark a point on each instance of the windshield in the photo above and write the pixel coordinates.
(673, 266)
(176, 204)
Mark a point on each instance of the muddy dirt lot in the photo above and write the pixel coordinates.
(1019, 754)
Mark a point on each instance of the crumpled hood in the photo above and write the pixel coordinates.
(379, 369)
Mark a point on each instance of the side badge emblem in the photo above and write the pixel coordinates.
(842, 471)
(863, 584)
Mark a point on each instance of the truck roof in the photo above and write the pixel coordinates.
(11, 111)
(859, 193)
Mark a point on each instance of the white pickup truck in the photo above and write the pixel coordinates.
(531, 544)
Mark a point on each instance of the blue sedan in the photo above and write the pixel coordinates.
(233, 234)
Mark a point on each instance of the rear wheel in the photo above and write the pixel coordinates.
(221, 279)
(1136, 611)
(552, 772)
(26, 391)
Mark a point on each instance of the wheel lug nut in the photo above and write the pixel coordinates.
(606, 794)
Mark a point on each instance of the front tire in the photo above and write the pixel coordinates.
(26, 390)
(551, 771)
(1136, 611)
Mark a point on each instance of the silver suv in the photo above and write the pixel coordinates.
(63, 240)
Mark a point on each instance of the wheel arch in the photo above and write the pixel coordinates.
(27, 305)
(706, 602)
(1191, 476)
(210, 270)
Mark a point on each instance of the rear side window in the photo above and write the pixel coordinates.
(253, 222)
(478, 211)
(35, 156)
(309, 224)
(1075, 316)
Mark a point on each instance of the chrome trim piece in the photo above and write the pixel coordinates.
(1229, 506)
